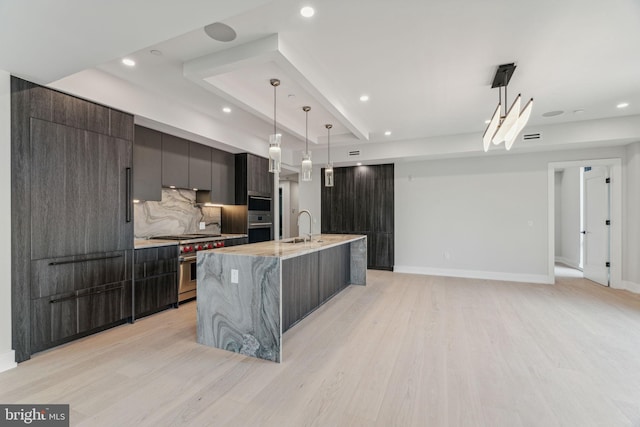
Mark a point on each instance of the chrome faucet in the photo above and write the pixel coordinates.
(310, 221)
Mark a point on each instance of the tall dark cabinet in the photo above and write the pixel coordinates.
(362, 202)
(72, 218)
(252, 177)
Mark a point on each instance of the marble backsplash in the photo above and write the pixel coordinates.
(177, 213)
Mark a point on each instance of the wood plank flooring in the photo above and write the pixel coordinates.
(403, 351)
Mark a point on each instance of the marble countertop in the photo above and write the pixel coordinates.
(282, 249)
(155, 243)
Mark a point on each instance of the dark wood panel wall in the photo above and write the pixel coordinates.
(71, 214)
(362, 202)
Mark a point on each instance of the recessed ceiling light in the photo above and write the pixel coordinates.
(155, 52)
(307, 12)
(387, 133)
(578, 111)
(364, 98)
(128, 62)
(623, 105)
(226, 109)
(552, 113)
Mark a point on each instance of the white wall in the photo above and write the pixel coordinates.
(309, 198)
(568, 227)
(483, 217)
(631, 207)
(285, 187)
(7, 357)
(293, 205)
(558, 211)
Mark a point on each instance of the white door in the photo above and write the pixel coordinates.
(596, 230)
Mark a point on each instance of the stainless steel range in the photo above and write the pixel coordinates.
(189, 245)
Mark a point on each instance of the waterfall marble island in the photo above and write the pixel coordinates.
(249, 295)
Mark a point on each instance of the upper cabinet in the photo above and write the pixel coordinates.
(183, 164)
(252, 177)
(147, 155)
(223, 177)
(199, 166)
(175, 162)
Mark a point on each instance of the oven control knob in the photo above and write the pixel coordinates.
(199, 248)
(188, 248)
(210, 246)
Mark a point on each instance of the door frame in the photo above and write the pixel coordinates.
(615, 169)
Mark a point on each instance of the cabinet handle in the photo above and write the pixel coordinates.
(74, 261)
(129, 192)
(53, 301)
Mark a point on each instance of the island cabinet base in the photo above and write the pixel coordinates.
(246, 301)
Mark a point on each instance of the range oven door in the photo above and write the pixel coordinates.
(187, 277)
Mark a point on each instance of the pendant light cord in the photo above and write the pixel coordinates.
(274, 110)
(306, 132)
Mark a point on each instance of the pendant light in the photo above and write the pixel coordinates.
(328, 172)
(275, 154)
(307, 166)
(506, 128)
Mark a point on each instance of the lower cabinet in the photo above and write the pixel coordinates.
(299, 288)
(305, 286)
(156, 279)
(60, 318)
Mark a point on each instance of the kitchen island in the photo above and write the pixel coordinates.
(249, 295)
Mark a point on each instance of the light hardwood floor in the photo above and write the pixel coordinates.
(404, 351)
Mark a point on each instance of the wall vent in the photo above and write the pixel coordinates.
(529, 136)
(354, 153)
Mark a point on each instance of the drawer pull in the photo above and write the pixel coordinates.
(85, 260)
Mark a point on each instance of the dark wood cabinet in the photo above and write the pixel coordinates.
(71, 215)
(300, 294)
(147, 156)
(199, 166)
(59, 318)
(333, 280)
(362, 202)
(223, 176)
(175, 161)
(156, 279)
(81, 179)
(252, 177)
(305, 286)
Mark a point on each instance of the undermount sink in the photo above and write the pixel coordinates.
(295, 240)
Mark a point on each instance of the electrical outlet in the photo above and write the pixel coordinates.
(234, 276)
(202, 225)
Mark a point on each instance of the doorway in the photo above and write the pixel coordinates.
(603, 240)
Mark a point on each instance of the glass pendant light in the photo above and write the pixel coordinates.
(275, 153)
(328, 172)
(307, 166)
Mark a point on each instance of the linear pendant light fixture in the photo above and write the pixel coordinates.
(307, 166)
(505, 128)
(328, 172)
(275, 153)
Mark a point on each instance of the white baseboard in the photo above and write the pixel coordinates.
(629, 286)
(8, 360)
(469, 274)
(568, 262)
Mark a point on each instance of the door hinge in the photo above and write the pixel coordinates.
(607, 264)
(607, 222)
(607, 180)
